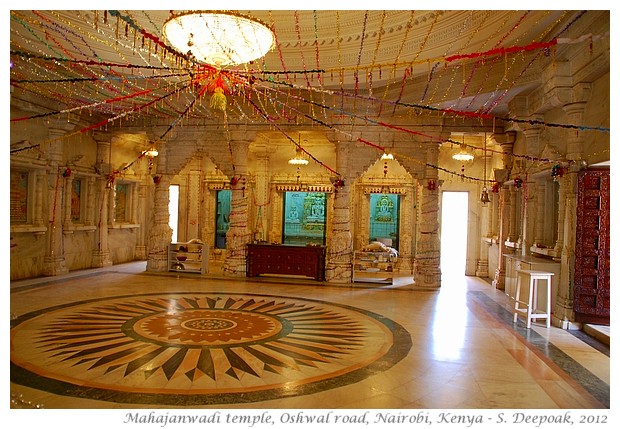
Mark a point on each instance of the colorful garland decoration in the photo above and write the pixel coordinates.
(238, 82)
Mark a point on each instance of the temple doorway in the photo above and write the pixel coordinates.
(173, 211)
(454, 210)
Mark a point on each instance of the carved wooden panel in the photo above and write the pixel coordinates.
(306, 261)
(592, 257)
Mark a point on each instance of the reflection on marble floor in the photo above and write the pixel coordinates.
(124, 338)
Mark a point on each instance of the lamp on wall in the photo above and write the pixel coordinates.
(218, 38)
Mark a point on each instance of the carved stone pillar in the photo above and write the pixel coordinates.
(530, 194)
(559, 241)
(89, 219)
(208, 206)
(238, 235)
(39, 186)
(103, 188)
(511, 206)
(54, 260)
(261, 193)
(494, 216)
(193, 204)
(539, 230)
(340, 246)
(427, 269)
(67, 222)
(563, 309)
(506, 141)
(141, 213)
(407, 228)
(275, 231)
(503, 210)
(482, 262)
(159, 232)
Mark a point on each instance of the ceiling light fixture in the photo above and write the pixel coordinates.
(463, 154)
(387, 156)
(299, 158)
(484, 196)
(152, 152)
(218, 38)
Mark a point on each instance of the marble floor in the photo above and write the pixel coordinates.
(120, 338)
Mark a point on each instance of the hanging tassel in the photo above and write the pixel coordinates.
(218, 100)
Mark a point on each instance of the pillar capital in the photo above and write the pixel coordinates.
(242, 134)
(505, 139)
(101, 136)
(59, 126)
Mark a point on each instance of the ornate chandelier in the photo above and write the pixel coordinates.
(299, 158)
(218, 38)
(463, 154)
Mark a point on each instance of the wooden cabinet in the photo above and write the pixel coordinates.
(591, 293)
(373, 267)
(188, 257)
(307, 261)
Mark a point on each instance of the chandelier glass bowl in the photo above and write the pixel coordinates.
(218, 38)
(463, 154)
(298, 159)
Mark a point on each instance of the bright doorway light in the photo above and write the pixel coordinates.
(451, 313)
(173, 210)
(454, 210)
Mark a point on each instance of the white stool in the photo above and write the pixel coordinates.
(531, 310)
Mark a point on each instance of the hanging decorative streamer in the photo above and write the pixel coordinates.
(478, 63)
(432, 139)
(24, 54)
(129, 22)
(422, 45)
(373, 65)
(292, 140)
(179, 118)
(316, 47)
(316, 50)
(458, 37)
(144, 33)
(493, 52)
(500, 97)
(383, 149)
(359, 56)
(464, 113)
(374, 59)
(496, 59)
(340, 70)
(498, 89)
(397, 59)
(102, 123)
(503, 51)
(277, 43)
(64, 111)
(96, 79)
(301, 52)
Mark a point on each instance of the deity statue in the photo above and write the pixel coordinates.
(383, 209)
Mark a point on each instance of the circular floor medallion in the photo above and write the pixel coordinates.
(200, 348)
